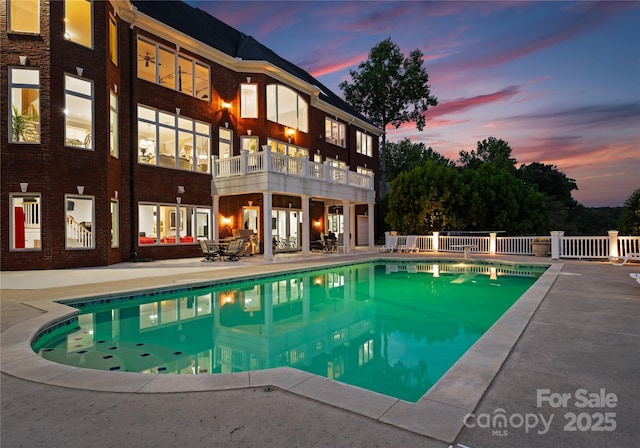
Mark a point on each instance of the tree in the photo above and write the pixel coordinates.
(549, 180)
(404, 156)
(425, 199)
(629, 223)
(390, 89)
(491, 150)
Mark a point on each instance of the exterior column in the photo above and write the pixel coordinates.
(266, 218)
(371, 221)
(555, 244)
(346, 213)
(215, 218)
(352, 227)
(436, 241)
(306, 224)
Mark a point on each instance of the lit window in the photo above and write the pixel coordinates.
(249, 143)
(170, 69)
(171, 224)
(78, 121)
(364, 143)
(24, 16)
(365, 171)
(24, 118)
(78, 22)
(25, 230)
(225, 143)
(288, 149)
(113, 124)
(249, 101)
(335, 132)
(113, 40)
(115, 223)
(286, 107)
(192, 151)
(79, 215)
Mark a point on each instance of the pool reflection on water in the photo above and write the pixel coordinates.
(393, 328)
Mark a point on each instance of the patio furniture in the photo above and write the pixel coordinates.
(209, 254)
(390, 244)
(233, 249)
(619, 261)
(409, 244)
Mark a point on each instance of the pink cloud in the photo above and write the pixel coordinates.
(464, 104)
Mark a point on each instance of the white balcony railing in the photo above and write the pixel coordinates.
(268, 161)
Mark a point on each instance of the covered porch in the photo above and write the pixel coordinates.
(288, 202)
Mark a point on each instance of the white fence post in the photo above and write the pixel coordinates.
(555, 245)
(492, 242)
(613, 243)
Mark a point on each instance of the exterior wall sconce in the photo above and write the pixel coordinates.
(24, 186)
(226, 105)
(80, 189)
(115, 194)
(226, 124)
(180, 189)
(248, 131)
(23, 60)
(178, 199)
(79, 71)
(250, 203)
(225, 221)
(177, 111)
(248, 79)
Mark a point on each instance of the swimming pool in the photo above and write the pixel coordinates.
(391, 327)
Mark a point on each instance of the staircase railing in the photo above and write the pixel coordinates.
(78, 233)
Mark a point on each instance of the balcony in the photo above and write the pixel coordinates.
(270, 171)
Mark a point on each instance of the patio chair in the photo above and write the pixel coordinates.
(390, 244)
(209, 255)
(234, 248)
(409, 244)
(636, 276)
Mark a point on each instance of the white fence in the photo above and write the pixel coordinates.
(579, 247)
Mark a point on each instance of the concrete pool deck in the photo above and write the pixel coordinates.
(576, 332)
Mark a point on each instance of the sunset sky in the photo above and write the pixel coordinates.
(559, 81)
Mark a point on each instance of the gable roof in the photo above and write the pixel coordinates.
(207, 29)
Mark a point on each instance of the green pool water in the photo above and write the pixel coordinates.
(393, 328)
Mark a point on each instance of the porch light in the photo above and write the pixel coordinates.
(23, 60)
(24, 186)
(226, 105)
(80, 189)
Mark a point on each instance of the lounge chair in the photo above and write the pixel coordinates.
(409, 244)
(209, 255)
(636, 276)
(234, 248)
(619, 261)
(390, 244)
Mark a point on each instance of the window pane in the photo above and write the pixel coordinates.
(167, 147)
(272, 108)
(25, 218)
(78, 22)
(147, 224)
(113, 124)
(287, 107)
(146, 61)
(146, 142)
(113, 40)
(79, 222)
(24, 16)
(146, 113)
(202, 223)
(78, 113)
(167, 68)
(168, 221)
(185, 75)
(202, 81)
(187, 151)
(303, 115)
(115, 231)
(249, 101)
(203, 148)
(25, 105)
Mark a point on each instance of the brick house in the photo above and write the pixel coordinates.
(135, 129)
